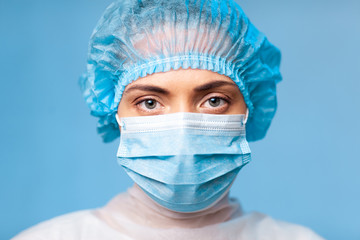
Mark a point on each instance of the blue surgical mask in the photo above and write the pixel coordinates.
(184, 161)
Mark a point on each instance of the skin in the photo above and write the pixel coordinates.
(182, 90)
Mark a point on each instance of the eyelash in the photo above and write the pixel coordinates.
(226, 99)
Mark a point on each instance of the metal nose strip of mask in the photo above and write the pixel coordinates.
(199, 121)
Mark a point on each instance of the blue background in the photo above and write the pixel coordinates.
(306, 171)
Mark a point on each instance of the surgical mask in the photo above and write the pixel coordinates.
(184, 161)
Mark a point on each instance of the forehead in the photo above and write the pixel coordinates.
(181, 77)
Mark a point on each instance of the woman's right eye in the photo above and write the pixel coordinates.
(149, 105)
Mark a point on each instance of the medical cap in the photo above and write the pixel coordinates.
(134, 38)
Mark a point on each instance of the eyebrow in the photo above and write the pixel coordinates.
(204, 87)
(148, 88)
(214, 84)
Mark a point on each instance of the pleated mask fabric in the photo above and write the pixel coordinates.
(184, 161)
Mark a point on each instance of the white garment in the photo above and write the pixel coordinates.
(133, 215)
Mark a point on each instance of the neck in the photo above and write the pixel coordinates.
(151, 213)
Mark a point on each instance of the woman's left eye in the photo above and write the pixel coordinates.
(214, 102)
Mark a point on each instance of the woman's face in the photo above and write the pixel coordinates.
(183, 90)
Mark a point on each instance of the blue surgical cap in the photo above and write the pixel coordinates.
(134, 38)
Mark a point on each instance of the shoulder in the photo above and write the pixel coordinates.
(263, 225)
(77, 225)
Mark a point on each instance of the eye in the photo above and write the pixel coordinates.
(215, 102)
(148, 105)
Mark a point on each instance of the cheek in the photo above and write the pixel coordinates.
(238, 106)
(124, 109)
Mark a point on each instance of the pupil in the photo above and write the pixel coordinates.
(214, 102)
(150, 104)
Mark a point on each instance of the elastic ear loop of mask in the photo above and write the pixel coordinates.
(246, 116)
(118, 120)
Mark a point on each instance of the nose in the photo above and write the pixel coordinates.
(182, 104)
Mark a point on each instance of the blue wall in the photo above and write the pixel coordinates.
(305, 171)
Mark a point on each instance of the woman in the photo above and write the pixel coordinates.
(178, 81)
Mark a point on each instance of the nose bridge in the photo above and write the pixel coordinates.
(182, 103)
